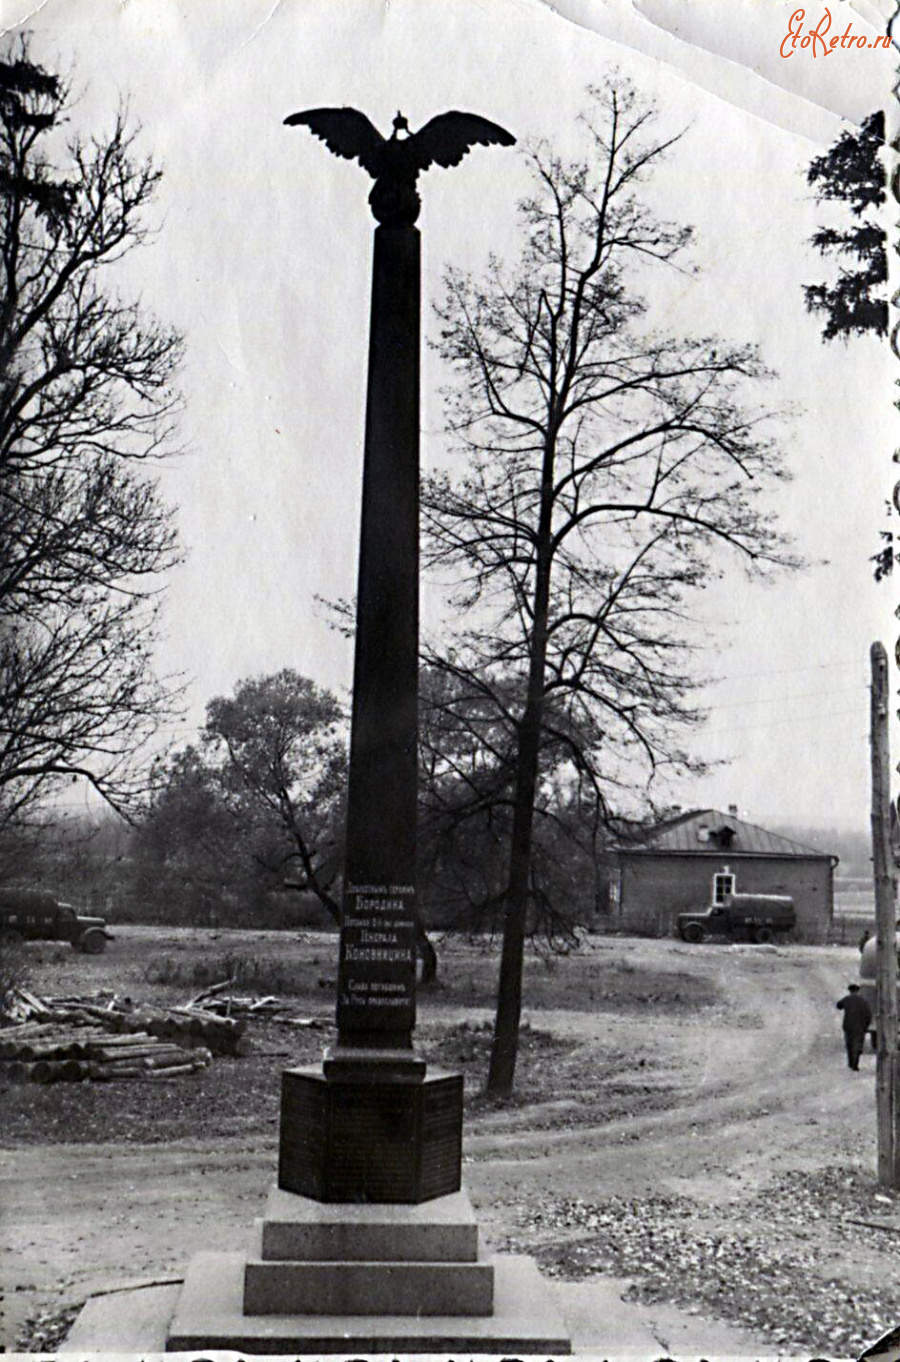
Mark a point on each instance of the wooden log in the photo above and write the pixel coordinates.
(80, 1017)
(34, 1049)
(166, 1027)
(159, 1074)
(36, 1004)
(211, 991)
(199, 1056)
(123, 1043)
(29, 1028)
(123, 1040)
(59, 1035)
(37, 1051)
(156, 1063)
(152, 1043)
(175, 1055)
(8, 1048)
(48, 1071)
(101, 1073)
(84, 1042)
(73, 1070)
(236, 1024)
(18, 1036)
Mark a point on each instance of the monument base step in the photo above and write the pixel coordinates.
(209, 1315)
(298, 1228)
(361, 1288)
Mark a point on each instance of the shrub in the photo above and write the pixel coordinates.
(13, 972)
(251, 974)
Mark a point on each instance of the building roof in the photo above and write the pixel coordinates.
(709, 831)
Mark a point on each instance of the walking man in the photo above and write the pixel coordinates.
(857, 1019)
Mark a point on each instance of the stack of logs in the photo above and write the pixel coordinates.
(71, 1039)
(51, 1052)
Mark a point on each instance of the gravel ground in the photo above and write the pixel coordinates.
(732, 1268)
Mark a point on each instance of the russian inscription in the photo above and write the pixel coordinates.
(377, 965)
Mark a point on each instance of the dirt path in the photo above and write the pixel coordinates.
(751, 1088)
(753, 1098)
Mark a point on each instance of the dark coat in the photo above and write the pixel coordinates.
(857, 1012)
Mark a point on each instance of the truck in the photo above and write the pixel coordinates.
(756, 917)
(38, 915)
(868, 975)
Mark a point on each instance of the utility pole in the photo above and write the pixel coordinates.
(887, 1074)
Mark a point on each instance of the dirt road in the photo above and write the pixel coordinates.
(715, 1112)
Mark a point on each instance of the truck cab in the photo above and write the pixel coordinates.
(37, 915)
(754, 917)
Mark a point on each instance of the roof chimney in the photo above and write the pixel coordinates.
(733, 810)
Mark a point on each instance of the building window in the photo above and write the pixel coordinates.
(723, 885)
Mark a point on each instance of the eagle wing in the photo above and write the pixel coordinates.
(346, 132)
(444, 140)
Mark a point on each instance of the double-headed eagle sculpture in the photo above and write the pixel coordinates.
(395, 162)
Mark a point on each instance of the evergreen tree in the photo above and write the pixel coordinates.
(851, 172)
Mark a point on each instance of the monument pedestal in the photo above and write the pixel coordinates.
(348, 1135)
(322, 1277)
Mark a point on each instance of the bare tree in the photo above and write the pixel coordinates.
(467, 751)
(604, 465)
(86, 403)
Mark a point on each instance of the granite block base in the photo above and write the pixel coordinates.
(210, 1315)
(298, 1228)
(351, 1140)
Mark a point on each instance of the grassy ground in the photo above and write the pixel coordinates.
(159, 964)
(234, 1095)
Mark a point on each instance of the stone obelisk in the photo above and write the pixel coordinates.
(376, 971)
(373, 1125)
(368, 1245)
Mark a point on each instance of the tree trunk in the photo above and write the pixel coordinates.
(427, 954)
(505, 1048)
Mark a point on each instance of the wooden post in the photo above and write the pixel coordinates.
(886, 1088)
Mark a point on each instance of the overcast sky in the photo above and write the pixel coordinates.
(262, 260)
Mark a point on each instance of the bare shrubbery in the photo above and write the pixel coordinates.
(249, 973)
(12, 972)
